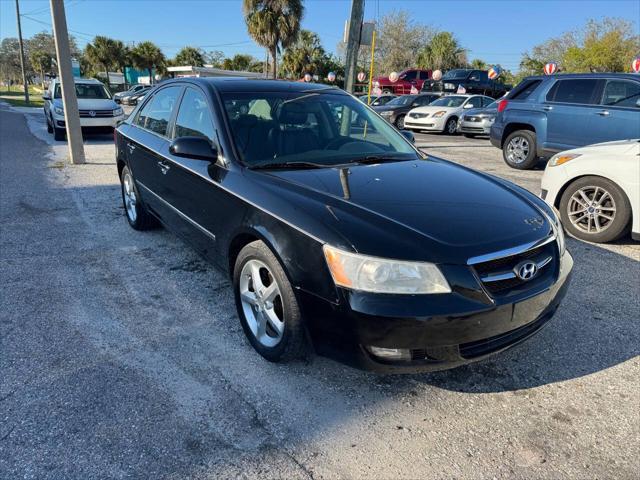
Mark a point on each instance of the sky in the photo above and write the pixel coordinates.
(497, 31)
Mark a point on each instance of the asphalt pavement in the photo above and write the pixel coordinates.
(121, 356)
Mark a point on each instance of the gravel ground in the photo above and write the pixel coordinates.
(121, 356)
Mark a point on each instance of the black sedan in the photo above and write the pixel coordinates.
(337, 234)
(395, 110)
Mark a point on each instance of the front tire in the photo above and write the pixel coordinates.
(400, 122)
(49, 126)
(519, 150)
(59, 134)
(267, 306)
(135, 211)
(451, 127)
(595, 209)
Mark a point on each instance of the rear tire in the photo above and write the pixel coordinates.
(136, 212)
(59, 134)
(519, 150)
(595, 209)
(267, 307)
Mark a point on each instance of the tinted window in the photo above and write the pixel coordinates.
(475, 76)
(156, 113)
(425, 100)
(487, 101)
(621, 93)
(573, 91)
(410, 75)
(476, 102)
(524, 89)
(194, 117)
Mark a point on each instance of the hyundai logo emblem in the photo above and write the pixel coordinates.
(526, 270)
(92, 113)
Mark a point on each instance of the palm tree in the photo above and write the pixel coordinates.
(121, 55)
(101, 53)
(147, 56)
(306, 55)
(273, 24)
(189, 56)
(443, 52)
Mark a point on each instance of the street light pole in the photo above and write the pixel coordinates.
(353, 43)
(67, 83)
(24, 73)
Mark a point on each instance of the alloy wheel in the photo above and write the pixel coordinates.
(452, 126)
(400, 122)
(591, 209)
(518, 149)
(262, 303)
(130, 198)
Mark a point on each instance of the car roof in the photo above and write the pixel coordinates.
(81, 80)
(564, 76)
(242, 84)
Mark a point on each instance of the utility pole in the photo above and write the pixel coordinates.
(67, 83)
(24, 73)
(353, 43)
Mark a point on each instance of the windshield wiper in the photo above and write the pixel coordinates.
(292, 165)
(370, 159)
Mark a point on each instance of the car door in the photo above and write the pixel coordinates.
(570, 106)
(618, 114)
(145, 140)
(195, 190)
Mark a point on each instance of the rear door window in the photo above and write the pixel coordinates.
(580, 90)
(524, 89)
(475, 101)
(621, 93)
(156, 113)
(410, 75)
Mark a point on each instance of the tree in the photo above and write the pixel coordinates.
(189, 56)
(214, 58)
(10, 59)
(147, 56)
(306, 55)
(443, 52)
(41, 62)
(478, 64)
(399, 41)
(102, 53)
(121, 55)
(273, 24)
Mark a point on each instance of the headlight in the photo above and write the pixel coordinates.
(386, 113)
(378, 275)
(58, 110)
(561, 158)
(439, 114)
(490, 119)
(449, 85)
(118, 111)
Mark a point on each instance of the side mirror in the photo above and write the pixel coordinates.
(198, 148)
(45, 96)
(408, 135)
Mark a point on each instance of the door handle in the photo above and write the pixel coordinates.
(131, 147)
(547, 108)
(603, 113)
(164, 167)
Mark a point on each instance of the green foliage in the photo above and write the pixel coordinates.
(274, 24)
(305, 55)
(10, 60)
(147, 56)
(479, 64)
(443, 52)
(103, 53)
(214, 58)
(189, 56)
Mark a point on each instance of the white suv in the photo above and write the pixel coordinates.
(97, 109)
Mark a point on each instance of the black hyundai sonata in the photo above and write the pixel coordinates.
(338, 234)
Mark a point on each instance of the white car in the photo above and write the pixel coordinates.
(442, 115)
(97, 109)
(596, 190)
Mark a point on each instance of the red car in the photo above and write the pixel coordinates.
(412, 77)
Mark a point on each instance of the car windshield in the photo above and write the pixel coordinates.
(402, 100)
(451, 74)
(86, 90)
(451, 101)
(310, 129)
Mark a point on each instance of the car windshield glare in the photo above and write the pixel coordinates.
(86, 90)
(450, 101)
(310, 129)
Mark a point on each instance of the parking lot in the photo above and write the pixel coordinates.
(122, 356)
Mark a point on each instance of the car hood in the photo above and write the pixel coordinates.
(390, 108)
(440, 206)
(481, 112)
(91, 104)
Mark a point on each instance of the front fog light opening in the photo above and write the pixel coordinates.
(390, 354)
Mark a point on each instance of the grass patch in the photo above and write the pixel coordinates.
(15, 96)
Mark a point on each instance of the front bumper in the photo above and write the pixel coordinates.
(477, 128)
(429, 123)
(97, 122)
(460, 331)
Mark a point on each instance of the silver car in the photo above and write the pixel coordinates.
(478, 121)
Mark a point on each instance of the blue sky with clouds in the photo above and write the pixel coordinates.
(496, 31)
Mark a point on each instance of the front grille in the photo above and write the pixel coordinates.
(472, 119)
(472, 129)
(499, 276)
(96, 113)
(418, 115)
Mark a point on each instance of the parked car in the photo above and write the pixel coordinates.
(469, 81)
(135, 97)
(442, 115)
(352, 238)
(98, 111)
(395, 110)
(478, 121)
(377, 100)
(596, 189)
(544, 115)
(133, 89)
(407, 79)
